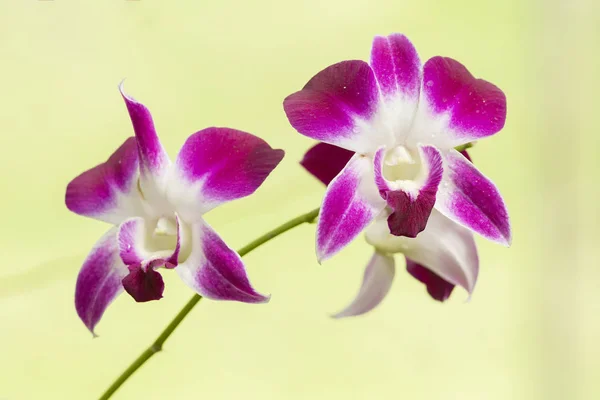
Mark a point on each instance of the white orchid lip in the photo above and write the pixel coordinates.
(156, 207)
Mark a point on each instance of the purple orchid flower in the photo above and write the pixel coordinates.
(442, 256)
(156, 207)
(403, 121)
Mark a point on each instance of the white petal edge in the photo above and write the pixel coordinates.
(444, 247)
(377, 281)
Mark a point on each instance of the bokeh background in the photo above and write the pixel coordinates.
(531, 329)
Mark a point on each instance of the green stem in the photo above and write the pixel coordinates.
(155, 347)
(463, 147)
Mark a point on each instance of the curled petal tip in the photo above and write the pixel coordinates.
(338, 315)
(264, 299)
(122, 88)
(507, 240)
(321, 257)
(468, 300)
(376, 284)
(126, 96)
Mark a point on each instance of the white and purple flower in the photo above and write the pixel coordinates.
(441, 256)
(402, 120)
(157, 209)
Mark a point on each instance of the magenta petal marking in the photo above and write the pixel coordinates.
(107, 191)
(476, 107)
(152, 155)
(411, 210)
(325, 161)
(396, 65)
(99, 281)
(437, 287)
(471, 199)
(351, 202)
(131, 241)
(216, 271)
(143, 285)
(376, 284)
(328, 107)
(229, 164)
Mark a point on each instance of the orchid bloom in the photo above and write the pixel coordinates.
(403, 121)
(156, 208)
(441, 256)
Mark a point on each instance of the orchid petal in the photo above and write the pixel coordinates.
(376, 284)
(336, 106)
(153, 159)
(397, 67)
(214, 270)
(444, 247)
(455, 107)
(216, 165)
(411, 200)
(438, 288)
(351, 202)
(143, 285)
(108, 191)
(325, 161)
(469, 198)
(99, 281)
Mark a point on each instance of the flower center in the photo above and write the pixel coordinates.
(401, 164)
(164, 235)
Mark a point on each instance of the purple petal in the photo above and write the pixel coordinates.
(325, 161)
(444, 248)
(335, 104)
(143, 285)
(131, 239)
(152, 154)
(154, 161)
(108, 191)
(376, 284)
(457, 107)
(396, 65)
(469, 198)
(217, 165)
(397, 68)
(351, 202)
(216, 271)
(99, 281)
(438, 288)
(412, 204)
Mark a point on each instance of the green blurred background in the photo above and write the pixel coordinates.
(531, 329)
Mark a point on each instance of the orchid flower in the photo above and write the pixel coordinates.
(156, 208)
(441, 256)
(403, 121)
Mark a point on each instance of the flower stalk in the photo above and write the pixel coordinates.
(157, 345)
